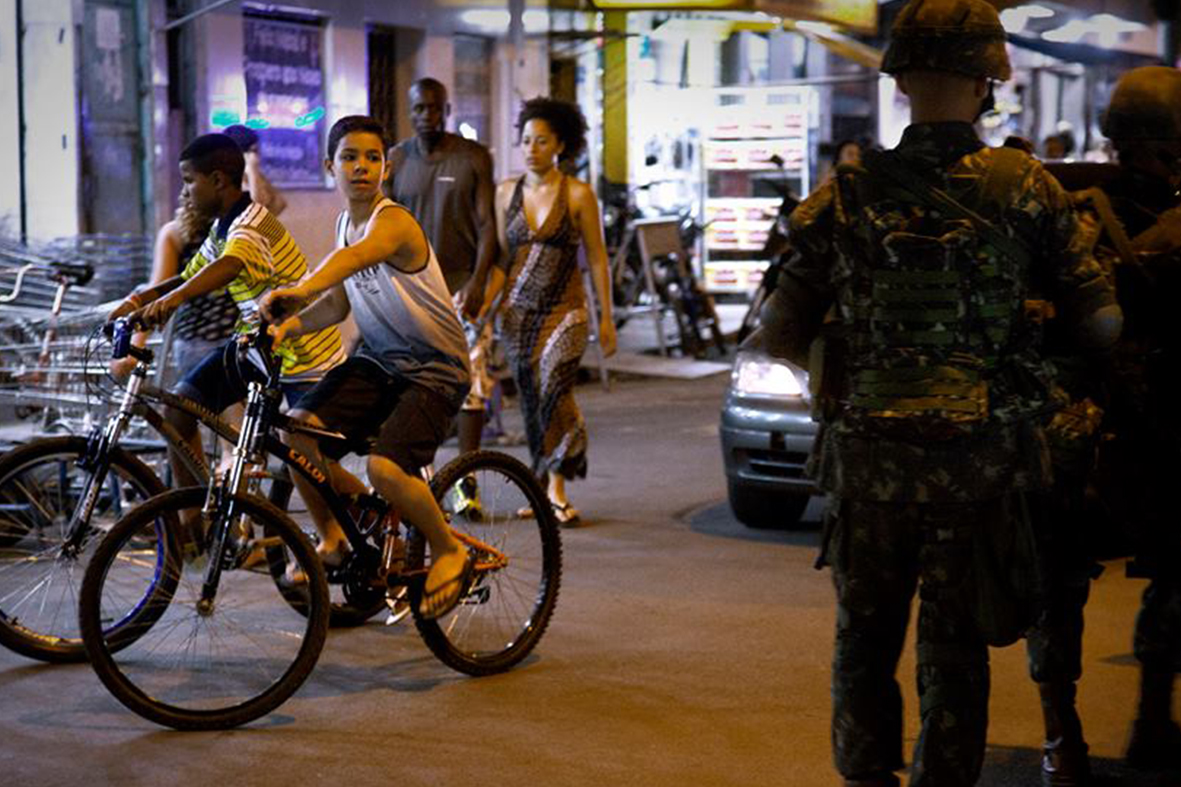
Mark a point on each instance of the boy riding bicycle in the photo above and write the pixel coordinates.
(249, 252)
(405, 382)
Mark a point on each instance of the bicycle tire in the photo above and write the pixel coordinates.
(506, 609)
(165, 675)
(38, 583)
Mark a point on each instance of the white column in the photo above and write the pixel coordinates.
(10, 198)
(51, 119)
(436, 58)
(346, 45)
(221, 80)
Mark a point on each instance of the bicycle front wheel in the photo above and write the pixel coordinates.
(201, 661)
(499, 509)
(41, 486)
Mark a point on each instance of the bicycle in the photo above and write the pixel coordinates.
(226, 642)
(58, 493)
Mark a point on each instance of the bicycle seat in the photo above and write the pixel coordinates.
(75, 273)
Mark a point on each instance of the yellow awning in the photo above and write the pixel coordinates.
(859, 15)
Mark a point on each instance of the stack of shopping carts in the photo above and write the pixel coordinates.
(53, 298)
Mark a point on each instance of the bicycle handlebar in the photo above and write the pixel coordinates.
(260, 339)
(120, 331)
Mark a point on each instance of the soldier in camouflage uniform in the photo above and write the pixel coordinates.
(1142, 242)
(932, 392)
(1065, 550)
(1114, 201)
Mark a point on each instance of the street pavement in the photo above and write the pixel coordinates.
(685, 650)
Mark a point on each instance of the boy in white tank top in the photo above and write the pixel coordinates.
(405, 382)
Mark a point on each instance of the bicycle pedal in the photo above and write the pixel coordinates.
(398, 602)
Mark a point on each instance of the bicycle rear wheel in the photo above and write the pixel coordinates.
(508, 605)
(40, 487)
(204, 665)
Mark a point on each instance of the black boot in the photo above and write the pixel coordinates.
(1064, 753)
(1156, 739)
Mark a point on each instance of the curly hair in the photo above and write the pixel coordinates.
(192, 224)
(564, 119)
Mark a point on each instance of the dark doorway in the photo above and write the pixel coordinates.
(383, 83)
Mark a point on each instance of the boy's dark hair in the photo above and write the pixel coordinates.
(353, 123)
(245, 136)
(565, 119)
(211, 153)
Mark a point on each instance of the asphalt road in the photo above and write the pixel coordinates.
(685, 650)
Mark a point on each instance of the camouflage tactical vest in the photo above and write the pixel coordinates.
(933, 311)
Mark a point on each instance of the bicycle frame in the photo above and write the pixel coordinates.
(256, 440)
(103, 440)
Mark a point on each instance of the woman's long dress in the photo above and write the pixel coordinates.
(545, 331)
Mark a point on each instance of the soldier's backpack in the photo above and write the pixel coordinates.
(935, 338)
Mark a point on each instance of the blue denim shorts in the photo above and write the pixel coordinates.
(219, 380)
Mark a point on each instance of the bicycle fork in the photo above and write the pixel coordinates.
(220, 506)
(97, 462)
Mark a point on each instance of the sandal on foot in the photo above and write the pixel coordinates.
(452, 590)
(333, 559)
(567, 515)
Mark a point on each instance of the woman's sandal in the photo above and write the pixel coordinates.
(566, 514)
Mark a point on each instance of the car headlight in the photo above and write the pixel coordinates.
(760, 375)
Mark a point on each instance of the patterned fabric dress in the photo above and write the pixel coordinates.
(544, 321)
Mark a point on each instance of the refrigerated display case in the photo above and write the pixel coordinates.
(755, 147)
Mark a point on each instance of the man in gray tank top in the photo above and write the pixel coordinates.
(446, 182)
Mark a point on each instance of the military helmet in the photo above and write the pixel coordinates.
(1146, 105)
(962, 36)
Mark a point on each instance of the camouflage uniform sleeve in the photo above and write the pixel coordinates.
(792, 315)
(1065, 264)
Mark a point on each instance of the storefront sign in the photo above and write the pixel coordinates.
(860, 15)
(285, 98)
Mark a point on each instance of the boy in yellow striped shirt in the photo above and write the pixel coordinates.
(249, 252)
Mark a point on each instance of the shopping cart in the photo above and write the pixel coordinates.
(51, 306)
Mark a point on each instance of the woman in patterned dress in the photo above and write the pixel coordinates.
(543, 220)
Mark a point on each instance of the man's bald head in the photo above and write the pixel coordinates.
(431, 85)
(429, 109)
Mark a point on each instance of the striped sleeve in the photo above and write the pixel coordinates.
(247, 245)
(200, 259)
